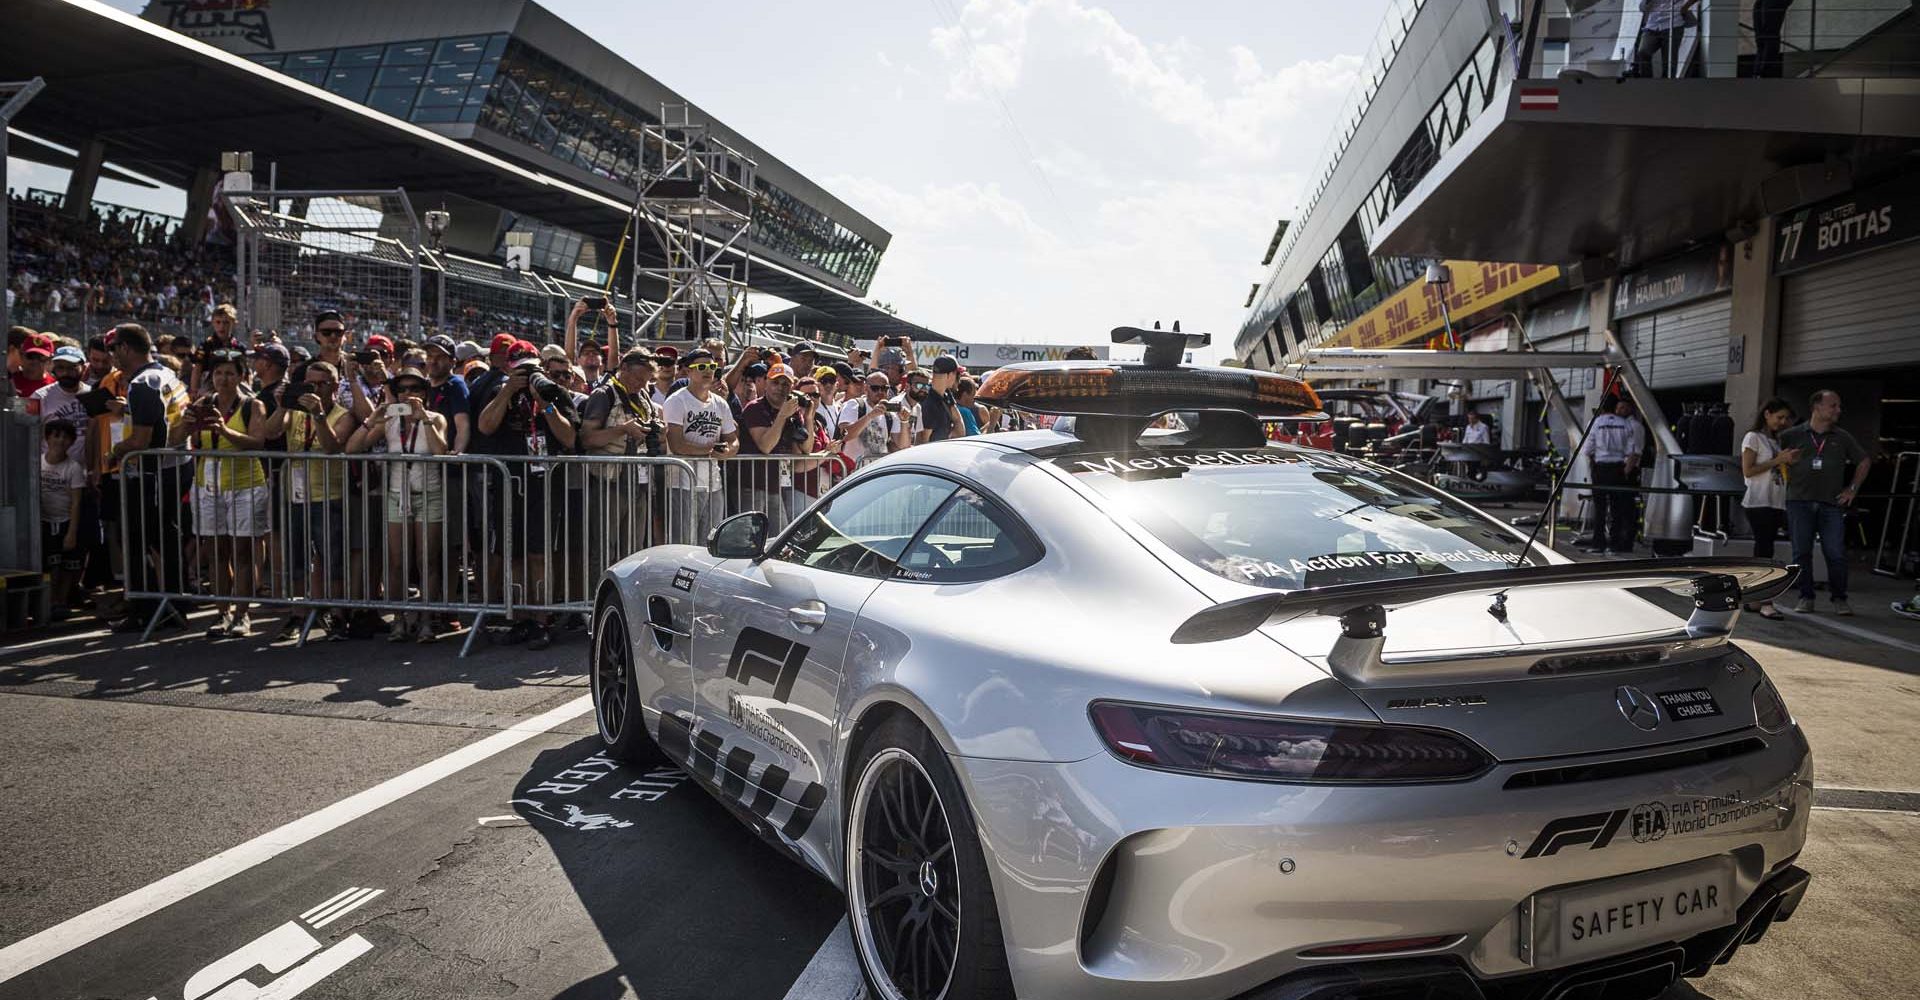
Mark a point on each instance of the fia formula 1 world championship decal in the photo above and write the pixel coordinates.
(293, 957)
(1648, 822)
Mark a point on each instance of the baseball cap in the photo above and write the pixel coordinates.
(669, 352)
(467, 350)
(39, 344)
(522, 349)
(302, 355)
(919, 375)
(502, 343)
(945, 365)
(552, 351)
(758, 370)
(275, 353)
(800, 347)
(890, 356)
(70, 353)
(442, 343)
(842, 369)
(327, 314)
(698, 355)
(780, 371)
(381, 342)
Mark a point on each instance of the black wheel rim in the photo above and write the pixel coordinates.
(909, 880)
(610, 677)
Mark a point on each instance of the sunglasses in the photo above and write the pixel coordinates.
(331, 331)
(704, 366)
(876, 388)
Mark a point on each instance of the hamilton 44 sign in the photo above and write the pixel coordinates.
(1853, 223)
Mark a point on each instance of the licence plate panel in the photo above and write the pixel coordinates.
(1618, 915)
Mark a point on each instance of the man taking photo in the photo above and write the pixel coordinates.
(700, 425)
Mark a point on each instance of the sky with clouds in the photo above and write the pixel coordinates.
(1049, 169)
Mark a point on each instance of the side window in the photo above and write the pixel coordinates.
(864, 529)
(968, 541)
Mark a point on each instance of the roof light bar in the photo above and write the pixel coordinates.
(1094, 389)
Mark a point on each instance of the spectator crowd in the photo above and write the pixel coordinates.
(222, 471)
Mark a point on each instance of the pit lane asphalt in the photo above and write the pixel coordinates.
(124, 764)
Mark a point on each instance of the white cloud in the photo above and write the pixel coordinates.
(998, 43)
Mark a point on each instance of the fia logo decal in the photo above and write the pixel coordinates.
(763, 655)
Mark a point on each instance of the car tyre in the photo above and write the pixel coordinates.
(919, 899)
(610, 671)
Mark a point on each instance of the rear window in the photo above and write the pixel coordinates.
(1295, 520)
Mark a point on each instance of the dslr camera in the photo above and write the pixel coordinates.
(545, 388)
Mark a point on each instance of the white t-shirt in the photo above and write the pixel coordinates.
(703, 424)
(59, 404)
(1477, 434)
(1768, 489)
(57, 483)
(874, 440)
(909, 416)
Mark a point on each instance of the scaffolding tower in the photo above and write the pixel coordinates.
(696, 197)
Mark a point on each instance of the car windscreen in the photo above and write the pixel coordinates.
(1295, 520)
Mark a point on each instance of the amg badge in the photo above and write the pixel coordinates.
(1437, 701)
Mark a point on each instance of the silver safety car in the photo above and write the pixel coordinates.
(1144, 706)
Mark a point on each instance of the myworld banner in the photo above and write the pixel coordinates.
(980, 356)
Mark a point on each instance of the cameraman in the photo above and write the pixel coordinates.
(620, 419)
(870, 426)
(779, 422)
(528, 417)
(311, 420)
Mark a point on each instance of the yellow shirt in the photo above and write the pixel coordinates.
(228, 474)
(312, 481)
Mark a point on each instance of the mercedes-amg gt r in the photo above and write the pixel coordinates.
(1145, 706)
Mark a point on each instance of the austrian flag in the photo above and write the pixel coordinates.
(1539, 98)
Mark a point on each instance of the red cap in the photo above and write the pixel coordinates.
(668, 351)
(379, 341)
(39, 344)
(502, 342)
(520, 349)
(780, 371)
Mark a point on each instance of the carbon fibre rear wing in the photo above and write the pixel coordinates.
(1717, 585)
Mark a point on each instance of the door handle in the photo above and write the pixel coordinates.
(810, 615)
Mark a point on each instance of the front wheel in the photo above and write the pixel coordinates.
(616, 708)
(918, 896)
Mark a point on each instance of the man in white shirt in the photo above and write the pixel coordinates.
(1614, 443)
(1477, 431)
(700, 427)
(870, 425)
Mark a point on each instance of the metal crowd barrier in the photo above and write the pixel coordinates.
(424, 537)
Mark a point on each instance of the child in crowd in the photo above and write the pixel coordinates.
(61, 481)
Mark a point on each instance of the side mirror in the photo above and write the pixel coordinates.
(742, 536)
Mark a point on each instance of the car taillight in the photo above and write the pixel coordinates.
(1277, 749)
(1769, 710)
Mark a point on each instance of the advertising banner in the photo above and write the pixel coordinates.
(1850, 224)
(979, 356)
(1669, 282)
(1414, 311)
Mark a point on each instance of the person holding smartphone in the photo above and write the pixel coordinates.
(415, 493)
(230, 495)
(602, 312)
(312, 422)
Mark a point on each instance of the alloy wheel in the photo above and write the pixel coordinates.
(610, 676)
(904, 879)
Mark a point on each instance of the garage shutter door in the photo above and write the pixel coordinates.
(1682, 346)
(1863, 312)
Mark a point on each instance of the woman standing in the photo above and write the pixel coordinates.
(1762, 461)
(230, 496)
(415, 492)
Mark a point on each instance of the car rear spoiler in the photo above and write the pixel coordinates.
(1717, 584)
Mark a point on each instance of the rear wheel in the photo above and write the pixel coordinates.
(918, 897)
(616, 709)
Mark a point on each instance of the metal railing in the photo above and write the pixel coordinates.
(422, 537)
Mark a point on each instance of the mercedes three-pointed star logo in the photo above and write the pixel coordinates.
(1637, 708)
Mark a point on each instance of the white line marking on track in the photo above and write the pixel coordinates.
(833, 973)
(322, 908)
(509, 819)
(1853, 630)
(30, 953)
(365, 897)
(56, 640)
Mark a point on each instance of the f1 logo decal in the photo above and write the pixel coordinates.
(290, 952)
(767, 657)
(1571, 831)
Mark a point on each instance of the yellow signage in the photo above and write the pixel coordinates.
(1414, 311)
